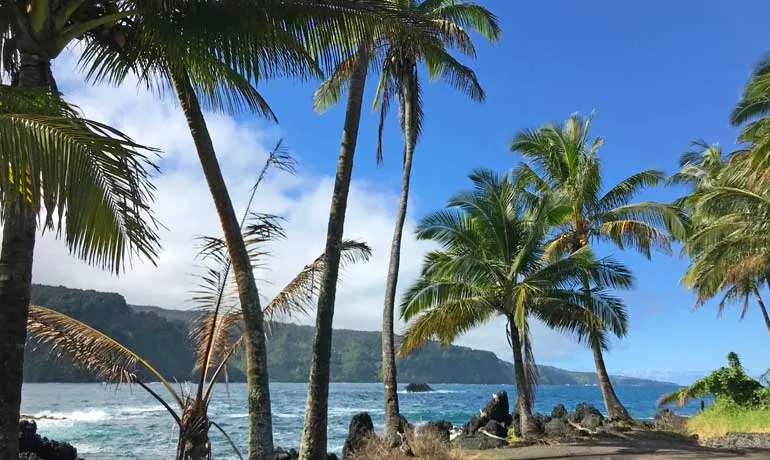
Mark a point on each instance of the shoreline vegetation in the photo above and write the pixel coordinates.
(539, 244)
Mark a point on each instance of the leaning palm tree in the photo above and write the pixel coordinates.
(77, 178)
(425, 34)
(491, 265)
(563, 162)
(728, 248)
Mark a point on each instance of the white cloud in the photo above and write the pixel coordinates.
(185, 207)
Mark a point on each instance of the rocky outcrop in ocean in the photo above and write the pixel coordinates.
(32, 446)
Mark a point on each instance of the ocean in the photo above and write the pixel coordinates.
(108, 423)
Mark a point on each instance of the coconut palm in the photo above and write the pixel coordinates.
(217, 333)
(563, 162)
(426, 33)
(77, 178)
(491, 265)
(752, 112)
(727, 247)
(212, 53)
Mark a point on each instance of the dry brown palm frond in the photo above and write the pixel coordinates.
(213, 334)
(89, 348)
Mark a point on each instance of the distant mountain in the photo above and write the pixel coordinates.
(160, 335)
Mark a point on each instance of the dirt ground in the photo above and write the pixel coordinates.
(636, 445)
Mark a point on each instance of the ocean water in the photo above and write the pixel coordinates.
(108, 423)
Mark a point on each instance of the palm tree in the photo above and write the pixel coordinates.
(215, 62)
(425, 33)
(84, 181)
(728, 207)
(404, 49)
(217, 336)
(215, 333)
(564, 163)
(491, 265)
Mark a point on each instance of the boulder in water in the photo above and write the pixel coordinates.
(418, 388)
(361, 427)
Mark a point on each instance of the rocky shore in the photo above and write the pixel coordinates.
(32, 446)
(494, 427)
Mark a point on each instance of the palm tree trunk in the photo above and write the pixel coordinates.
(258, 393)
(313, 443)
(389, 373)
(523, 402)
(16, 256)
(615, 409)
(194, 441)
(762, 307)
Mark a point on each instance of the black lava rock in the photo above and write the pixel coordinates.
(495, 429)
(478, 442)
(582, 410)
(361, 427)
(418, 388)
(559, 411)
(473, 425)
(497, 408)
(32, 443)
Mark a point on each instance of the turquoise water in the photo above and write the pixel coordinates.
(106, 423)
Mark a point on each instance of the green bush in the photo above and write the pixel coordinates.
(728, 385)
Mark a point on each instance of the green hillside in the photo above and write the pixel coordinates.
(160, 335)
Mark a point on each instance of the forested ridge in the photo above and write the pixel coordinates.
(160, 335)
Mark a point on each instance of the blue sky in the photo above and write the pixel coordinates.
(658, 74)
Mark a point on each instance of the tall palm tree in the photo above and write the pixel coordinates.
(75, 177)
(491, 265)
(405, 48)
(215, 62)
(426, 33)
(563, 162)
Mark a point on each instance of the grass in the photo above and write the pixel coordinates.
(718, 421)
(425, 446)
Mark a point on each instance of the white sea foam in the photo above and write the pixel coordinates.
(141, 409)
(88, 415)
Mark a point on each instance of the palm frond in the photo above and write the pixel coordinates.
(297, 297)
(46, 148)
(89, 349)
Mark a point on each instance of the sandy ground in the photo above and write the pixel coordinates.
(638, 445)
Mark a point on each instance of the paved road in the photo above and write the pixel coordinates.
(642, 446)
